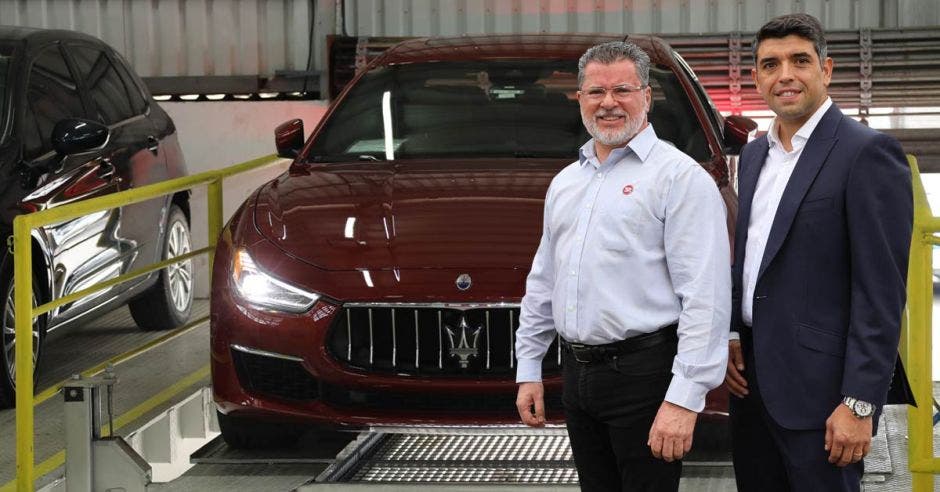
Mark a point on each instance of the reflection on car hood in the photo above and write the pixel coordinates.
(413, 215)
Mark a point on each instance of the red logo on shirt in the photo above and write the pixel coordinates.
(627, 189)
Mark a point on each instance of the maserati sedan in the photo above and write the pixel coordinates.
(77, 123)
(378, 280)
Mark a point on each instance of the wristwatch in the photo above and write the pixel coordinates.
(859, 408)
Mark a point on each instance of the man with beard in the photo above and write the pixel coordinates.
(633, 272)
(820, 262)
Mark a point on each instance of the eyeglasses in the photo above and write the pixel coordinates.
(620, 92)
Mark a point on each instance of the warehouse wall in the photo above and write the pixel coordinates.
(262, 37)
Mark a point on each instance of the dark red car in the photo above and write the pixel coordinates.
(379, 279)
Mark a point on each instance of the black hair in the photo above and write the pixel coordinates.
(803, 25)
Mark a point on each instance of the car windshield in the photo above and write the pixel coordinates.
(6, 60)
(512, 108)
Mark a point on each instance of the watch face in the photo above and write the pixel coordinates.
(863, 408)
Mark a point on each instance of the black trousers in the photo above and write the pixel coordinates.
(770, 458)
(609, 408)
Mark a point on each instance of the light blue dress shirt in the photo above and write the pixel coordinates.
(629, 246)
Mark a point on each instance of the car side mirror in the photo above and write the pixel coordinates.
(289, 138)
(737, 129)
(74, 135)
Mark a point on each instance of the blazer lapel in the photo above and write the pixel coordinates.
(748, 173)
(811, 161)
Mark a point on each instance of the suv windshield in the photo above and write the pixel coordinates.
(6, 60)
(514, 108)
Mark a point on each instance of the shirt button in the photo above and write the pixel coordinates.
(570, 309)
(574, 272)
(600, 175)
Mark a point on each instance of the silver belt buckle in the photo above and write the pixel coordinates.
(574, 352)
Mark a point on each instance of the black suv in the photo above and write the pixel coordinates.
(77, 123)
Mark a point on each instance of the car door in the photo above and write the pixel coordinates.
(133, 150)
(85, 250)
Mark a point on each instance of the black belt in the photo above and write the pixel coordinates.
(584, 353)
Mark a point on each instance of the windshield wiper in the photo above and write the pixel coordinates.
(343, 158)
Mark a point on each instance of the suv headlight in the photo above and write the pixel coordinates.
(258, 288)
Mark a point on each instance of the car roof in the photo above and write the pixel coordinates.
(511, 46)
(35, 36)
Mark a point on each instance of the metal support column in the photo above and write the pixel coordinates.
(734, 72)
(865, 73)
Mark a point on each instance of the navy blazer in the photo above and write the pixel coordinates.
(831, 285)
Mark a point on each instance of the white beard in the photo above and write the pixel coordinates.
(613, 138)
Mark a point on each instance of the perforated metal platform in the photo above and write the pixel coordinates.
(471, 455)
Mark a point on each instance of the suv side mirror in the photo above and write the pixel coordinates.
(74, 135)
(737, 129)
(289, 138)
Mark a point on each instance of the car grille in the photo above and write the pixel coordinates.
(431, 341)
(274, 376)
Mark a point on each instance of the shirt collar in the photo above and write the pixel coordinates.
(805, 131)
(641, 145)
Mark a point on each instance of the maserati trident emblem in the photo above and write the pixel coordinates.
(464, 281)
(463, 341)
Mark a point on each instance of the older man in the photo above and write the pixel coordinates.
(633, 272)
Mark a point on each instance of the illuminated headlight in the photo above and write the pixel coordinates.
(263, 290)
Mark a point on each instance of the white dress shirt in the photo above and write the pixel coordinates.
(773, 179)
(629, 246)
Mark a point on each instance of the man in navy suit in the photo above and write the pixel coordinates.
(820, 266)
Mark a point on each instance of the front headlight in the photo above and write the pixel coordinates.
(263, 290)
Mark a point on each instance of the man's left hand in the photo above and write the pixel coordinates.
(848, 438)
(671, 434)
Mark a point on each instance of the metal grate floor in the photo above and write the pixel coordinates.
(468, 455)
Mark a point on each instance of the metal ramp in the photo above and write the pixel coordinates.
(480, 459)
(507, 455)
(501, 454)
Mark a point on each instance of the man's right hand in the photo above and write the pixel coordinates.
(734, 378)
(531, 396)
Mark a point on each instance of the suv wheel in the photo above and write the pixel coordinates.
(8, 352)
(167, 304)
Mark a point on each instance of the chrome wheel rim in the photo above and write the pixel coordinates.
(180, 274)
(9, 337)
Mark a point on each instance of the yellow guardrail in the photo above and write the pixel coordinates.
(916, 346)
(24, 312)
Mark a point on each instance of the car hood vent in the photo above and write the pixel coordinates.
(348, 217)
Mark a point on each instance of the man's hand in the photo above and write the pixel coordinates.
(734, 377)
(671, 434)
(531, 397)
(848, 438)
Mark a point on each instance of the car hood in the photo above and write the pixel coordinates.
(408, 215)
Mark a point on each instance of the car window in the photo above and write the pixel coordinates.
(515, 108)
(6, 59)
(138, 103)
(52, 95)
(104, 84)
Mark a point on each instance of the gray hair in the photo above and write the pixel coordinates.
(612, 52)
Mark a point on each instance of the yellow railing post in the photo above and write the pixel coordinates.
(22, 281)
(918, 344)
(23, 324)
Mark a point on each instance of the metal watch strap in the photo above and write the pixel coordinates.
(855, 403)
